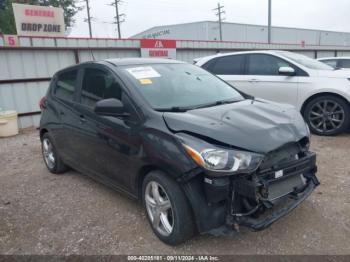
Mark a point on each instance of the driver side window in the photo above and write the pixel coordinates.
(97, 85)
(261, 64)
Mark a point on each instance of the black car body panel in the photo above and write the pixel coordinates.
(119, 151)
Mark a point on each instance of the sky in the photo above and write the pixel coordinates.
(141, 15)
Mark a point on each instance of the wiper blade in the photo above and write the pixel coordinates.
(172, 109)
(186, 108)
(216, 103)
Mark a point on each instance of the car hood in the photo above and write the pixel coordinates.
(334, 73)
(258, 126)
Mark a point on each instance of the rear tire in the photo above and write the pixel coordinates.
(175, 223)
(51, 157)
(327, 115)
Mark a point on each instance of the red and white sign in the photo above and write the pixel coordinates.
(10, 40)
(33, 20)
(158, 48)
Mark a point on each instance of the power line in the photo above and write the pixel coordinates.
(219, 13)
(119, 18)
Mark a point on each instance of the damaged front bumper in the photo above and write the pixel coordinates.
(255, 200)
(272, 194)
(262, 223)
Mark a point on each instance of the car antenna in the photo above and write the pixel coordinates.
(92, 54)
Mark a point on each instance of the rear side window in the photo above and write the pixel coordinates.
(65, 85)
(97, 85)
(261, 64)
(227, 65)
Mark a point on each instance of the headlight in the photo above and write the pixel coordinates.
(219, 161)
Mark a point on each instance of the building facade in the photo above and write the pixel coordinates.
(209, 31)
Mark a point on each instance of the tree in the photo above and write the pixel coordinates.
(7, 21)
(70, 8)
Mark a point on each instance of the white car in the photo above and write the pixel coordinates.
(336, 62)
(321, 93)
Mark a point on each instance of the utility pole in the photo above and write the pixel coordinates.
(220, 11)
(89, 17)
(118, 17)
(269, 23)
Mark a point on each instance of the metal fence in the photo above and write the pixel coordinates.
(25, 71)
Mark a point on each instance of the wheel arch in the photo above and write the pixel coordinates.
(206, 218)
(143, 172)
(302, 110)
(42, 132)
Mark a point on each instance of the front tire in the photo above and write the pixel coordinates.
(168, 210)
(327, 115)
(51, 157)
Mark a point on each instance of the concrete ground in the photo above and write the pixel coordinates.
(42, 213)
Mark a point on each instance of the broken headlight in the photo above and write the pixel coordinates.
(220, 160)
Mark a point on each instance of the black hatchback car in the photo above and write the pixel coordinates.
(200, 155)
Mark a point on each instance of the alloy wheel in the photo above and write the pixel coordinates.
(326, 116)
(48, 153)
(159, 208)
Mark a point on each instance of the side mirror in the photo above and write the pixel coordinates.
(110, 107)
(286, 71)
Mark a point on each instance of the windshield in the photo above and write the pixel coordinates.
(170, 86)
(306, 61)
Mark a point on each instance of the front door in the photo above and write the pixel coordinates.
(263, 80)
(106, 144)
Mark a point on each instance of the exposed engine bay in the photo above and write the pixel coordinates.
(284, 179)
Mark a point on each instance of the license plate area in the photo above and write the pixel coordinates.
(285, 186)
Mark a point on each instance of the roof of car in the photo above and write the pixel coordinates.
(334, 58)
(124, 61)
(207, 58)
(141, 61)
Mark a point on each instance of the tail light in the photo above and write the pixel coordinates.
(42, 103)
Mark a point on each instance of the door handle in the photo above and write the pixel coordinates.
(82, 119)
(253, 80)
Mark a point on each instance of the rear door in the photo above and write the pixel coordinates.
(106, 145)
(229, 68)
(63, 107)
